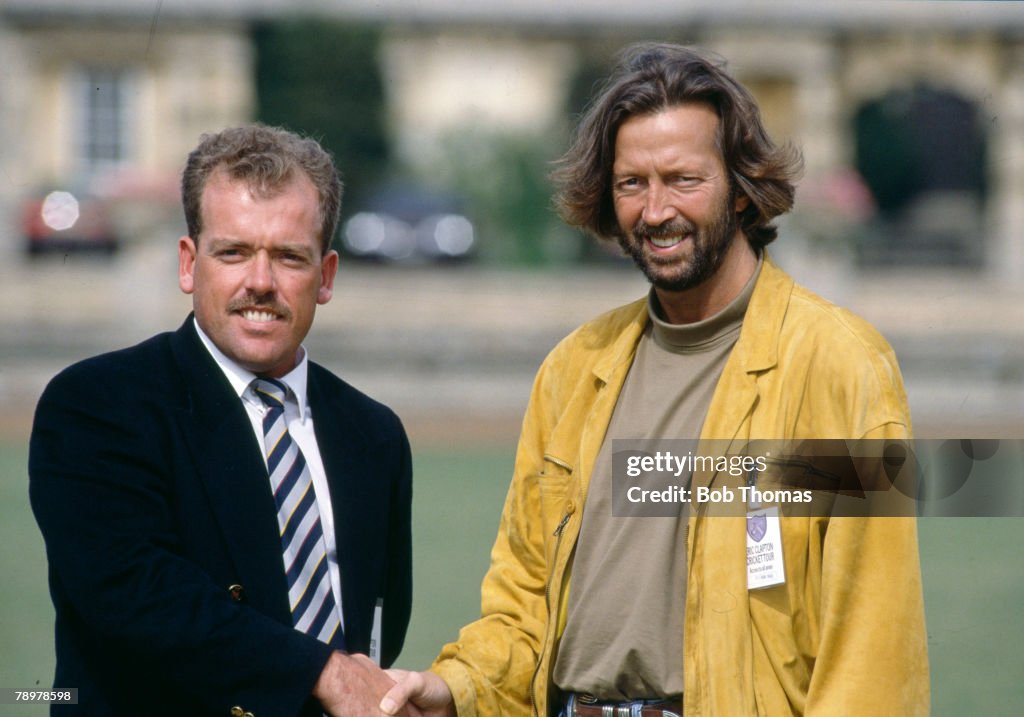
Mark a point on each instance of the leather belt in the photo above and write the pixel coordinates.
(580, 708)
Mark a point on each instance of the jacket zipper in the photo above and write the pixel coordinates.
(559, 530)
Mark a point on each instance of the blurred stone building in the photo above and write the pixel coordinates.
(910, 114)
(106, 97)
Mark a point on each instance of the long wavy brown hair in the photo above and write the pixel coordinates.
(650, 78)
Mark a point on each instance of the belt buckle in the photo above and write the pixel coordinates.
(613, 710)
(590, 700)
(619, 710)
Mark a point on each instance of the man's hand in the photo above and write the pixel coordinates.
(352, 686)
(425, 690)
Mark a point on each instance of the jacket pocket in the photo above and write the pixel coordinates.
(554, 483)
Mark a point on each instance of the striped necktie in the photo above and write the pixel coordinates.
(314, 610)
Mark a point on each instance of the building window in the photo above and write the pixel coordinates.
(103, 97)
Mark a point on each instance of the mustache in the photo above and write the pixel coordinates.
(255, 303)
(676, 227)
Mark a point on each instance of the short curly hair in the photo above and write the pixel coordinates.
(650, 78)
(267, 158)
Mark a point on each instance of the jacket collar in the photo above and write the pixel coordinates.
(756, 351)
(757, 348)
(624, 342)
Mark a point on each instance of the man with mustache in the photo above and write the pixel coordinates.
(227, 523)
(587, 613)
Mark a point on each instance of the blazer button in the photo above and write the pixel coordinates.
(238, 595)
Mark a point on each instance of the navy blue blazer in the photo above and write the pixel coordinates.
(165, 569)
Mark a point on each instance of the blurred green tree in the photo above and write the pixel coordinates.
(504, 177)
(322, 78)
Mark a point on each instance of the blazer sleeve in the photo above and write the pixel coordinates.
(126, 595)
(398, 587)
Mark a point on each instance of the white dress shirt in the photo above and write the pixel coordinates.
(300, 426)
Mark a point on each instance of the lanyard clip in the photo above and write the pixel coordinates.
(752, 495)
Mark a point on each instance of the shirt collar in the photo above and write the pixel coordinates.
(699, 335)
(240, 378)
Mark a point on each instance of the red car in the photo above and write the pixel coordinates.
(62, 222)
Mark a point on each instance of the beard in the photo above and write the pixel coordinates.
(710, 242)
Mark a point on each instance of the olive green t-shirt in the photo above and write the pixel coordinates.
(624, 635)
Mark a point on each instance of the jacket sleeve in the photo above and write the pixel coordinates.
(132, 606)
(398, 587)
(846, 634)
(489, 669)
(872, 656)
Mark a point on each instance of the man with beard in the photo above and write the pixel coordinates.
(587, 613)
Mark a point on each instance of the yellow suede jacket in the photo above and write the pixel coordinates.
(844, 635)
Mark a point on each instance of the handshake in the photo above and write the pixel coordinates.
(354, 685)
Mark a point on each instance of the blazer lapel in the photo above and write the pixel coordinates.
(229, 464)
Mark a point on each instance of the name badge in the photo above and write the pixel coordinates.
(764, 549)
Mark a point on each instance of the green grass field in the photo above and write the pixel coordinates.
(973, 575)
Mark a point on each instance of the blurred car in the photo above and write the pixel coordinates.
(64, 221)
(410, 224)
